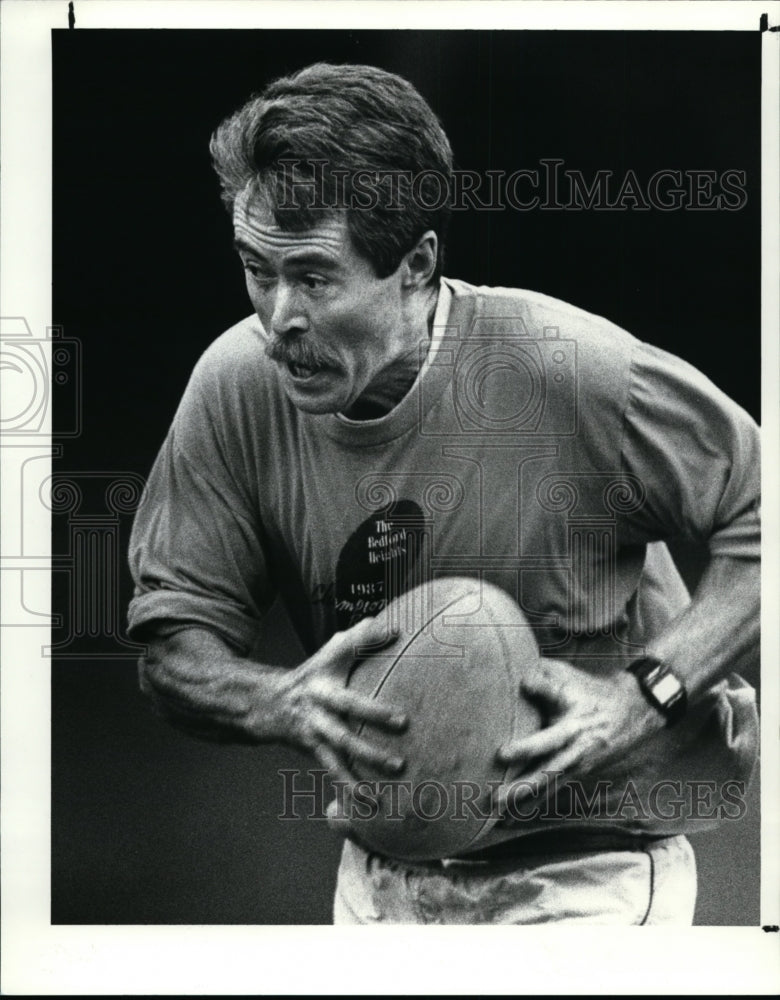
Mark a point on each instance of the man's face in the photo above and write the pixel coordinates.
(333, 326)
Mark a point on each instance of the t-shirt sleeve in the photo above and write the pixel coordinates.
(696, 454)
(197, 551)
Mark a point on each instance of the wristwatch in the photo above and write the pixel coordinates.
(665, 691)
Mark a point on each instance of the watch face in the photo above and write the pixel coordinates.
(666, 688)
(661, 688)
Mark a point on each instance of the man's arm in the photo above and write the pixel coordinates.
(697, 455)
(596, 721)
(200, 685)
(719, 631)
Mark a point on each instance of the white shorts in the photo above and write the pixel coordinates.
(653, 885)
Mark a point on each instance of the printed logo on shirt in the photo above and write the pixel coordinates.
(379, 561)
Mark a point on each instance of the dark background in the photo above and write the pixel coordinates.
(147, 825)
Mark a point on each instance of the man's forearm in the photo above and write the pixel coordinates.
(598, 721)
(204, 688)
(719, 631)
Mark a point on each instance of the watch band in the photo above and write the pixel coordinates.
(661, 687)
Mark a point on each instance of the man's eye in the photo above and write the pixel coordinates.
(314, 281)
(259, 275)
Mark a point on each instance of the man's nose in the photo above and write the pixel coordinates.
(289, 315)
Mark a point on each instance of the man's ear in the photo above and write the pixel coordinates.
(419, 264)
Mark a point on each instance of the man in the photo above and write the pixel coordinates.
(548, 451)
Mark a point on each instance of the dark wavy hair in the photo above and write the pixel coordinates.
(351, 136)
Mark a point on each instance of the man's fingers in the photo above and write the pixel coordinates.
(531, 785)
(333, 764)
(546, 741)
(351, 745)
(336, 768)
(512, 792)
(369, 636)
(359, 707)
(543, 684)
(538, 782)
(337, 815)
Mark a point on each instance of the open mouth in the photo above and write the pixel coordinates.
(301, 371)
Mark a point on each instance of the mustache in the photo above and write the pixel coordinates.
(297, 353)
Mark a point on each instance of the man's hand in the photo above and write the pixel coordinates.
(201, 686)
(314, 705)
(593, 721)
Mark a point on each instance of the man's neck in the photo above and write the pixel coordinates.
(394, 382)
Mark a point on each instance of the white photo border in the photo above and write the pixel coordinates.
(204, 960)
